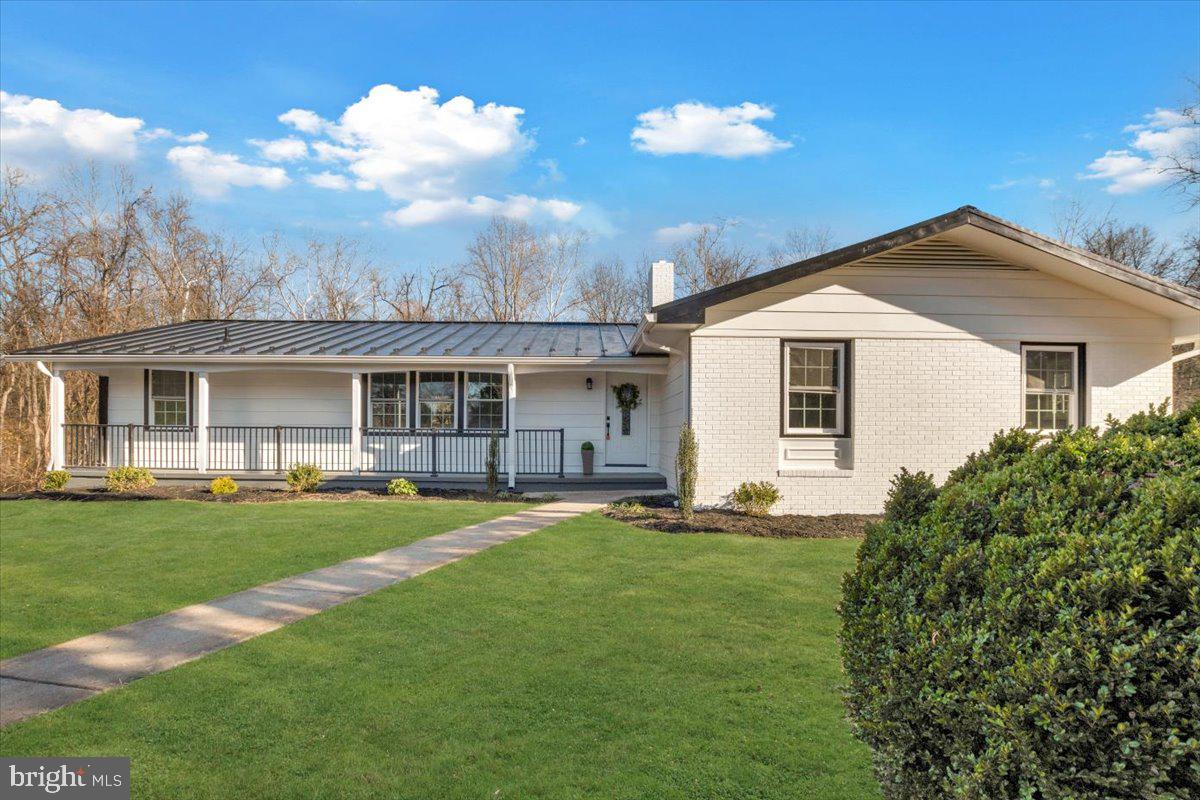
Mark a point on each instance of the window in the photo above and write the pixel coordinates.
(389, 400)
(814, 400)
(1051, 397)
(168, 397)
(485, 401)
(435, 399)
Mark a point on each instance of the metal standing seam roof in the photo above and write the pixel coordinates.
(380, 339)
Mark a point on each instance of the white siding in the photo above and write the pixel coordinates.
(674, 412)
(562, 400)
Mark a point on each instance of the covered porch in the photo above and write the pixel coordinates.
(431, 422)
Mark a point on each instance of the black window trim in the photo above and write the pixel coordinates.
(1081, 391)
(847, 387)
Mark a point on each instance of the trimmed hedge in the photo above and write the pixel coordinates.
(120, 480)
(1036, 632)
(55, 480)
(223, 484)
(304, 478)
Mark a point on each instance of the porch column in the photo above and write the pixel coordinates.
(202, 422)
(58, 401)
(511, 418)
(356, 422)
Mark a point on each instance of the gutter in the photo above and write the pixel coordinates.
(648, 321)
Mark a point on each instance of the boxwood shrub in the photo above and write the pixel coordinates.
(1035, 633)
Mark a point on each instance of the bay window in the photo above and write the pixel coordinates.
(1050, 378)
(814, 388)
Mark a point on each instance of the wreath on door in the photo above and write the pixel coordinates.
(629, 397)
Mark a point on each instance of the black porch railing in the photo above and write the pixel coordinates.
(274, 448)
(151, 446)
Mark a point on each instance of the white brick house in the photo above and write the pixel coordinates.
(929, 340)
(824, 377)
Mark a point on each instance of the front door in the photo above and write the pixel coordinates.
(626, 428)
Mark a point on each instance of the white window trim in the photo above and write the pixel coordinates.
(1073, 406)
(454, 402)
(503, 401)
(403, 406)
(840, 395)
(187, 399)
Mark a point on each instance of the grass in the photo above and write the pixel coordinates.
(590, 659)
(72, 568)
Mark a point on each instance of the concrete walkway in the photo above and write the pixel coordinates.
(37, 682)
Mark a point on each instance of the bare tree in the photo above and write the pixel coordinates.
(1184, 162)
(707, 260)
(607, 292)
(1131, 244)
(323, 280)
(562, 259)
(801, 243)
(502, 268)
(413, 296)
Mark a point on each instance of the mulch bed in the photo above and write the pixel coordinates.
(659, 515)
(262, 495)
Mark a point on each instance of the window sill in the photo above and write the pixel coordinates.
(815, 473)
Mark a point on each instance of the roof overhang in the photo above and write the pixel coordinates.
(979, 230)
(348, 363)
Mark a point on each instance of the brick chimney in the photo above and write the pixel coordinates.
(661, 283)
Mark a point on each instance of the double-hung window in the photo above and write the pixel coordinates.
(168, 397)
(485, 401)
(814, 388)
(436, 396)
(389, 400)
(1051, 386)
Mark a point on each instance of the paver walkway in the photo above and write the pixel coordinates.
(37, 682)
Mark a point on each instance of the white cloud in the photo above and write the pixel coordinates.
(520, 206)
(1162, 136)
(166, 133)
(329, 180)
(212, 174)
(581, 141)
(1029, 180)
(412, 147)
(684, 230)
(288, 148)
(302, 120)
(36, 134)
(551, 173)
(692, 127)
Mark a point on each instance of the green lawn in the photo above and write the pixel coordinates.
(588, 660)
(71, 568)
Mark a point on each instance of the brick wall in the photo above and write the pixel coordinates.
(920, 403)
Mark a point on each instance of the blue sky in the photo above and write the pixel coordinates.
(860, 117)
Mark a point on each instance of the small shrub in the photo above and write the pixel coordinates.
(223, 485)
(304, 477)
(687, 461)
(911, 495)
(1035, 633)
(755, 498)
(493, 463)
(55, 480)
(587, 446)
(128, 479)
(628, 508)
(402, 487)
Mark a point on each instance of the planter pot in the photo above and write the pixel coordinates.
(589, 458)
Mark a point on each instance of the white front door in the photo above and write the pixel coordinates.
(627, 431)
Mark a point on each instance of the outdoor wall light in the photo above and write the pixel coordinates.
(589, 384)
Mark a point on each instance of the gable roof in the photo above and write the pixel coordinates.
(269, 339)
(691, 309)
